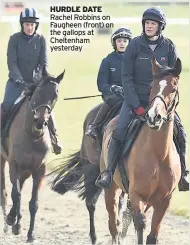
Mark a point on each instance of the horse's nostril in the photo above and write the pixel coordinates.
(158, 117)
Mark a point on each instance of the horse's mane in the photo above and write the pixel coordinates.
(47, 79)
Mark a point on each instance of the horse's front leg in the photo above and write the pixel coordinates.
(3, 197)
(112, 200)
(15, 194)
(138, 206)
(158, 214)
(17, 227)
(33, 204)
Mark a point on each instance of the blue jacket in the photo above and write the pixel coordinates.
(110, 72)
(24, 55)
(136, 69)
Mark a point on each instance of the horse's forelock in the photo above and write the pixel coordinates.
(165, 71)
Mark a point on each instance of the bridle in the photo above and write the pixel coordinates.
(169, 108)
(35, 109)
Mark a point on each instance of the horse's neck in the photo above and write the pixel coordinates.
(24, 116)
(161, 141)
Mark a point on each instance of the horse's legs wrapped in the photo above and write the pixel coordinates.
(33, 204)
(3, 197)
(112, 195)
(158, 214)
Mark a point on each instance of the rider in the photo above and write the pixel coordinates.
(136, 80)
(109, 77)
(26, 53)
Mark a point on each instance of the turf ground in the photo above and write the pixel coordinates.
(81, 74)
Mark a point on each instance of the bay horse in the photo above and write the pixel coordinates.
(28, 143)
(152, 167)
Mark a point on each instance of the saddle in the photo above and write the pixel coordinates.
(11, 115)
(130, 136)
(114, 111)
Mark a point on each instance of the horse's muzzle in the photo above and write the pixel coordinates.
(40, 123)
(154, 122)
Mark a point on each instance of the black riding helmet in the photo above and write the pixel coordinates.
(29, 15)
(120, 33)
(157, 15)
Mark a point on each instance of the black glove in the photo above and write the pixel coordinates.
(116, 89)
(37, 75)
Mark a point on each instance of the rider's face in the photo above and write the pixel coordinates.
(121, 44)
(151, 27)
(29, 28)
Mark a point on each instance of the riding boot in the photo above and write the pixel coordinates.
(57, 147)
(183, 184)
(92, 128)
(113, 155)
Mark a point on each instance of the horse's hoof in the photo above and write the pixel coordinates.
(11, 220)
(16, 229)
(6, 229)
(93, 239)
(31, 238)
(151, 240)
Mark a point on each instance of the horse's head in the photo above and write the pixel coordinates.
(164, 94)
(44, 99)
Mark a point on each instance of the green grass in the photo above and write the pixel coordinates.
(127, 10)
(80, 79)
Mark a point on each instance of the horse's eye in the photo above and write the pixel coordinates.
(174, 90)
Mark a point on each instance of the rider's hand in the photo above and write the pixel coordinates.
(116, 89)
(20, 81)
(140, 111)
(37, 75)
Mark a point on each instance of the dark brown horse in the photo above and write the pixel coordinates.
(153, 165)
(28, 143)
(69, 175)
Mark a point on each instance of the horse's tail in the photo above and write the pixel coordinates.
(77, 175)
(87, 189)
(68, 174)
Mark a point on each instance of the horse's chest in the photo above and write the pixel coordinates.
(30, 153)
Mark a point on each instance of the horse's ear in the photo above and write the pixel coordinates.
(177, 67)
(155, 66)
(60, 77)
